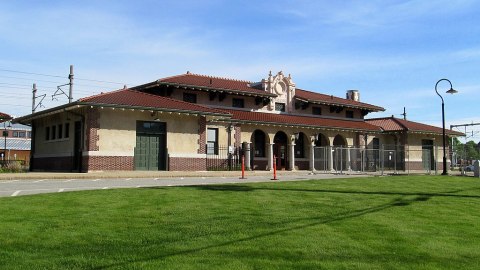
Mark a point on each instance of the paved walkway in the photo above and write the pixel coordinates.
(34, 183)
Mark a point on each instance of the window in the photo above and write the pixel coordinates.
(15, 134)
(238, 103)
(67, 130)
(349, 114)
(54, 132)
(47, 133)
(189, 97)
(212, 141)
(60, 131)
(29, 134)
(316, 110)
(22, 134)
(280, 107)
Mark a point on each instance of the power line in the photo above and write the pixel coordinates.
(100, 81)
(28, 79)
(31, 73)
(58, 76)
(15, 105)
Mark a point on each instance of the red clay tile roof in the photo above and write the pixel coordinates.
(239, 86)
(326, 99)
(210, 82)
(131, 98)
(4, 116)
(296, 120)
(396, 124)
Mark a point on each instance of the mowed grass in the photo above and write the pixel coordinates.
(398, 222)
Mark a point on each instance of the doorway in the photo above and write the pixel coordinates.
(280, 150)
(428, 161)
(151, 146)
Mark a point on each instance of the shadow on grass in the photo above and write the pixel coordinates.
(246, 188)
(224, 187)
(398, 202)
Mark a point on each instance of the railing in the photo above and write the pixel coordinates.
(224, 158)
(387, 158)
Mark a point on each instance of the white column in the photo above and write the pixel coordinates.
(246, 152)
(349, 167)
(330, 158)
(292, 157)
(270, 157)
(312, 155)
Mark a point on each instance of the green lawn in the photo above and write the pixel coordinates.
(397, 222)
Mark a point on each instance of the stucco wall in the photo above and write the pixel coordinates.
(117, 133)
(57, 147)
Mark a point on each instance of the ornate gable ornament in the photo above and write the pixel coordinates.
(283, 87)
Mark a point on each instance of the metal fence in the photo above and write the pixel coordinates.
(224, 158)
(385, 159)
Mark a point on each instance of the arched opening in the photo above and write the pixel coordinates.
(259, 139)
(339, 141)
(339, 153)
(322, 148)
(300, 145)
(321, 140)
(280, 149)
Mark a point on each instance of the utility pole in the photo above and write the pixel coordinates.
(404, 114)
(34, 92)
(70, 88)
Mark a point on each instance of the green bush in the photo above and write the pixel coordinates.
(13, 167)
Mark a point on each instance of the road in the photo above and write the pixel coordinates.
(21, 187)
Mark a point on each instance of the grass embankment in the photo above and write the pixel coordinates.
(400, 222)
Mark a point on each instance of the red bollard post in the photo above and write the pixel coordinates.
(274, 168)
(243, 167)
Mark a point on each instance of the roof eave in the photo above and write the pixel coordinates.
(263, 123)
(370, 109)
(203, 88)
(155, 109)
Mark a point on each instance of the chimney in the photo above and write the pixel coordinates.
(353, 95)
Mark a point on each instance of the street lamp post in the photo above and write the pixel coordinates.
(450, 91)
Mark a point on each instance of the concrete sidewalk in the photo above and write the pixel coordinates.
(153, 174)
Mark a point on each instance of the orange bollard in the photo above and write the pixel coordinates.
(274, 168)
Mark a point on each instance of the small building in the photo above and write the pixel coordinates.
(198, 122)
(15, 141)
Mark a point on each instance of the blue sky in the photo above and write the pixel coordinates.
(392, 51)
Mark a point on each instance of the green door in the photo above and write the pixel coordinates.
(150, 149)
(427, 155)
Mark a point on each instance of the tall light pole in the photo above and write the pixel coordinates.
(450, 91)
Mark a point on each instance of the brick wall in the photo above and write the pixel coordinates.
(238, 135)
(187, 164)
(418, 166)
(202, 132)
(103, 163)
(60, 164)
(302, 165)
(260, 165)
(92, 127)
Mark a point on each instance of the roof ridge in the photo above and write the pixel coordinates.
(332, 96)
(216, 77)
(103, 93)
(175, 100)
